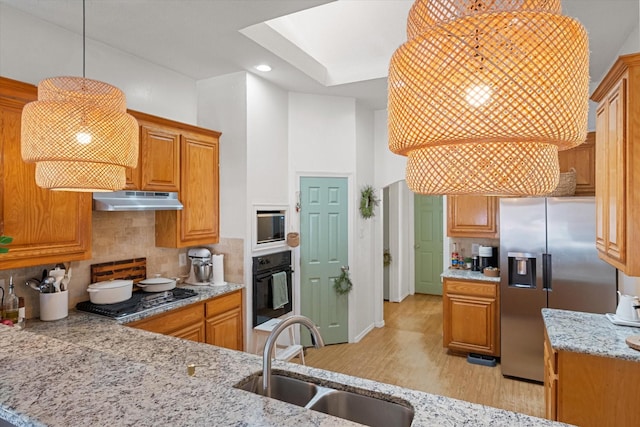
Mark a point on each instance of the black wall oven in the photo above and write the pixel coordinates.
(264, 267)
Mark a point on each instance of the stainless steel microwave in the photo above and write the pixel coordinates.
(270, 227)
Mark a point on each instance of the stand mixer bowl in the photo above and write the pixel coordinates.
(202, 270)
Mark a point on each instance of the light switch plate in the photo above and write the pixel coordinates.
(182, 260)
(475, 249)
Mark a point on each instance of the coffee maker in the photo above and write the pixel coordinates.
(488, 257)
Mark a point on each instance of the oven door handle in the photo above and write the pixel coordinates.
(270, 273)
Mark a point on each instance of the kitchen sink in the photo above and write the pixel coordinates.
(354, 405)
(283, 388)
(362, 409)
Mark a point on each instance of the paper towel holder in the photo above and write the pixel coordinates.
(217, 273)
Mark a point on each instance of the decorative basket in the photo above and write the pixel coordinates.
(494, 272)
(566, 184)
(293, 239)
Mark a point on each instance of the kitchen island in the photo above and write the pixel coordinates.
(592, 377)
(88, 369)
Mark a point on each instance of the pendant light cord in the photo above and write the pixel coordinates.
(84, 37)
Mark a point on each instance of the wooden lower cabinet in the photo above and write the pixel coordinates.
(588, 390)
(471, 316)
(224, 321)
(216, 321)
(186, 322)
(550, 380)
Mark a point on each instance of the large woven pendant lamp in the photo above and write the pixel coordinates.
(485, 92)
(79, 134)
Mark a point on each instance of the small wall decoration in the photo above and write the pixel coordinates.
(293, 240)
(342, 284)
(386, 258)
(368, 202)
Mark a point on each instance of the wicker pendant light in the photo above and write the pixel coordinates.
(79, 134)
(485, 92)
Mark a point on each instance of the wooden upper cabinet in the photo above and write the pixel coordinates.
(617, 151)
(198, 222)
(583, 159)
(46, 226)
(159, 156)
(472, 216)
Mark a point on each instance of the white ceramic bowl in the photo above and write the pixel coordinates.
(110, 292)
(157, 284)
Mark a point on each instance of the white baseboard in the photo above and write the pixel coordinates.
(363, 333)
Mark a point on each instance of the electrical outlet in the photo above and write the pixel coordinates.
(475, 248)
(2, 283)
(182, 260)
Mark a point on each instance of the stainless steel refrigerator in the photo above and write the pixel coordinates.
(548, 258)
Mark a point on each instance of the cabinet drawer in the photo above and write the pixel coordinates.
(171, 321)
(471, 288)
(223, 303)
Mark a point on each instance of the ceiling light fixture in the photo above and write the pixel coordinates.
(263, 67)
(79, 134)
(485, 92)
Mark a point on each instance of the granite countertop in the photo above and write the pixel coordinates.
(452, 273)
(88, 369)
(589, 333)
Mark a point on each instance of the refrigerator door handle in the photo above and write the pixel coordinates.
(546, 272)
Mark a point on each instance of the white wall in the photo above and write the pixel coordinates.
(389, 167)
(267, 143)
(32, 49)
(252, 115)
(401, 229)
(327, 136)
(222, 105)
(390, 172)
(366, 298)
(322, 133)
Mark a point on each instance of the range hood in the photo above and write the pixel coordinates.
(136, 201)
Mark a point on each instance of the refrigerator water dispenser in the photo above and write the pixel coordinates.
(522, 270)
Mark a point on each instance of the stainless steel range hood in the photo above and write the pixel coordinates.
(136, 201)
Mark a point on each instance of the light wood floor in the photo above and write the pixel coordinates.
(408, 352)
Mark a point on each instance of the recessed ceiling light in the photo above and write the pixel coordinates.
(263, 67)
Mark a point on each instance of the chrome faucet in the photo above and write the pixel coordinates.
(316, 338)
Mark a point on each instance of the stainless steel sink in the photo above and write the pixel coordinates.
(283, 388)
(351, 405)
(362, 409)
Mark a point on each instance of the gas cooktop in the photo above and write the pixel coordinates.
(139, 301)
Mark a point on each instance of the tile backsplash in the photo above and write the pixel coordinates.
(119, 236)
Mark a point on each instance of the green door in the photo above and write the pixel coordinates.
(323, 251)
(428, 243)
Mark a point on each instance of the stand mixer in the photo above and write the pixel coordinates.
(201, 267)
